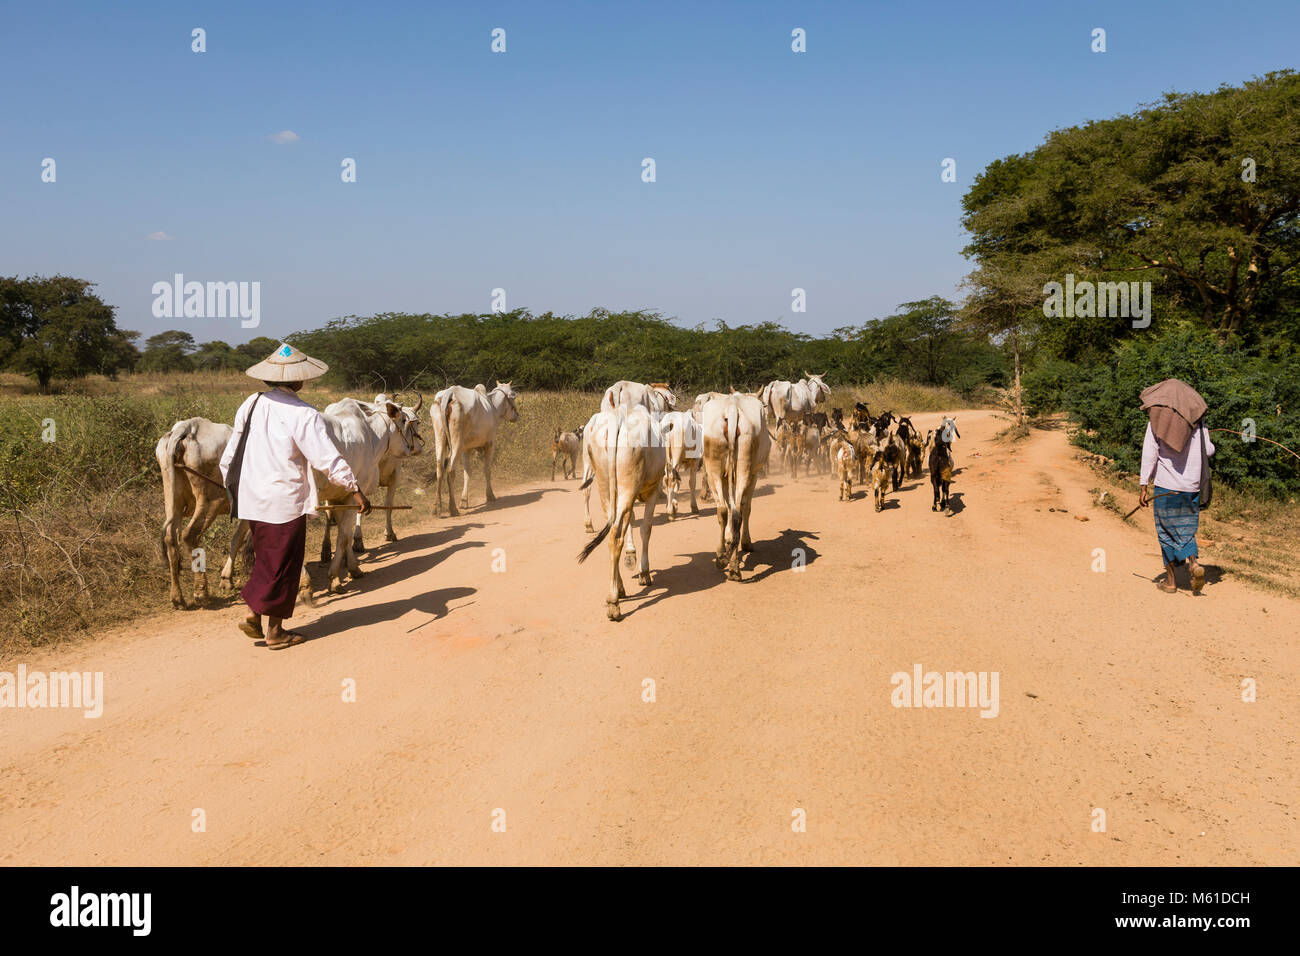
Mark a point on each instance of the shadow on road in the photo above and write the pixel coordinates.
(375, 578)
(432, 604)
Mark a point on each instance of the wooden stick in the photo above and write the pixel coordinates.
(1258, 438)
(200, 474)
(372, 507)
(1163, 494)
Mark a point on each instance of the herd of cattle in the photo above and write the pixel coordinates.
(638, 447)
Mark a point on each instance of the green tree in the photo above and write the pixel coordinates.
(168, 352)
(58, 327)
(1199, 193)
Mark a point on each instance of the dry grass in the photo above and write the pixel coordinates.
(1251, 539)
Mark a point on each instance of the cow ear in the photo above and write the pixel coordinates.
(394, 411)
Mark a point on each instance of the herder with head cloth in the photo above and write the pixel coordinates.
(266, 466)
(1176, 456)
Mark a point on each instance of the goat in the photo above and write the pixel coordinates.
(941, 463)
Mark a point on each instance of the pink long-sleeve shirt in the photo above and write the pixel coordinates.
(285, 437)
(1177, 471)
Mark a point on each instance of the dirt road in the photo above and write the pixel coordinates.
(480, 691)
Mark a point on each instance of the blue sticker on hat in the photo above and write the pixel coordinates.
(286, 351)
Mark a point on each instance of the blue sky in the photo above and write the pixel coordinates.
(522, 170)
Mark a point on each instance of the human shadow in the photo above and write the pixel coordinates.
(1183, 575)
(434, 603)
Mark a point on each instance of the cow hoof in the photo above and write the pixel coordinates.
(337, 587)
(612, 611)
(644, 578)
(694, 510)
(357, 549)
(629, 560)
(588, 528)
(464, 503)
(306, 597)
(179, 604)
(746, 547)
(733, 575)
(390, 538)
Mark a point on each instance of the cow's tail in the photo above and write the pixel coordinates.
(173, 451)
(611, 459)
(731, 424)
(611, 509)
(444, 452)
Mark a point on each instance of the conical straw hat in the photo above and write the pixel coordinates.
(287, 364)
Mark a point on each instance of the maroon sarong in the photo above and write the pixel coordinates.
(277, 565)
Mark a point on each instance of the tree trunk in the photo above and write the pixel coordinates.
(1015, 348)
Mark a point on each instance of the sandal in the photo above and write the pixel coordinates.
(252, 630)
(1168, 588)
(1198, 579)
(290, 639)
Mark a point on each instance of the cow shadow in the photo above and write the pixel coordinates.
(778, 554)
(425, 539)
(516, 500)
(434, 603)
(698, 574)
(417, 543)
(374, 578)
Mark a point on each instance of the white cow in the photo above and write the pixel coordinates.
(626, 458)
(656, 397)
(388, 477)
(736, 446)
(683, 445)
(466, 419)
(197, 444)
(789, 401)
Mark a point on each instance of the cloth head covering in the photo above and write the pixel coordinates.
(287, 364)
(1175, 408)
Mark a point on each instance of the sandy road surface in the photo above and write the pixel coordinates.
(479, 690)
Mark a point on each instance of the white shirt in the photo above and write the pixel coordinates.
(286, 438)
(1170, 469)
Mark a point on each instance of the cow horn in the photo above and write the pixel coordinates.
(419, 401)
(805, 374)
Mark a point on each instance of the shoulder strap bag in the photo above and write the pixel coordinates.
(237, 463)
(1207, 482)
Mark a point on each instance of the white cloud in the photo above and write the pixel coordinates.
(285, 136)
(159, 235)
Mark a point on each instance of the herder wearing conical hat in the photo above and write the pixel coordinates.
(266, 467)
(1175, 456)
